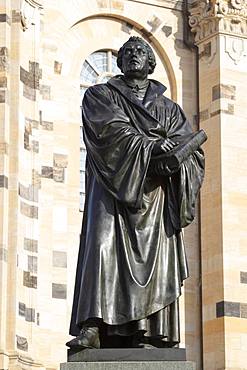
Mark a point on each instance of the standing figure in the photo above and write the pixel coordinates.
(132, 261)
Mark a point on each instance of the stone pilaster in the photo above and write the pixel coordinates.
(20, 75)
(5, 46)
(220, 29)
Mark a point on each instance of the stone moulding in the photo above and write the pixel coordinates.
(223, 16)
(30, 13)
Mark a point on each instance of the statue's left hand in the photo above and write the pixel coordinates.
(162, 169)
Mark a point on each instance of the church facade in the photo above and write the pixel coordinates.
(50, 53)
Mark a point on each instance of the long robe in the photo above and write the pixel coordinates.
(132, 260)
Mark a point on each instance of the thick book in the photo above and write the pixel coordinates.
(187, 146)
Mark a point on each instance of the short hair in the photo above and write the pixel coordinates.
(151, 56)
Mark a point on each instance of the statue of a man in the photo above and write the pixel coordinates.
(132, 261)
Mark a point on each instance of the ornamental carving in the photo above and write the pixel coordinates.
(225, 16)
(30, 13)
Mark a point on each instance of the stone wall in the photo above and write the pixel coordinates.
(221, 35)
(43, 47)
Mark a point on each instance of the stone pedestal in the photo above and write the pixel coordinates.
(128, 359)
(129, 365)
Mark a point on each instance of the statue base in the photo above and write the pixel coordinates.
(128, 359)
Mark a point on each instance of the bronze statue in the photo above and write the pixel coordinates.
(132, 261)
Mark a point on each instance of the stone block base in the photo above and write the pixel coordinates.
(128, 359)
(126, 354)
(133, 365)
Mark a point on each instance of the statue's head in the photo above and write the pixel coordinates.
(135, 57)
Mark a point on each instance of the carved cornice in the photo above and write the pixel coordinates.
(208, 17)
(30, 13)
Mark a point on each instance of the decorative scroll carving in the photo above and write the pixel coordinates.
(225, 16)
(30, 13)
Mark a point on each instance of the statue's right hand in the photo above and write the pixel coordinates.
(163, 146)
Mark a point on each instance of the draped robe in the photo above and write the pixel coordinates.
(132, 260)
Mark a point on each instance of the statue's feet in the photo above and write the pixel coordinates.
(88, 338)
(144, 345)
(139, 341)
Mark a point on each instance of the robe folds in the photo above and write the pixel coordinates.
(132, 259)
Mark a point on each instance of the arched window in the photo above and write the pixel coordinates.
(98, 67)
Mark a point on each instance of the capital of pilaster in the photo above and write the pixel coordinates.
(208, 17)
(30, 12)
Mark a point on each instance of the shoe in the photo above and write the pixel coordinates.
(88, 338)
(140, 341)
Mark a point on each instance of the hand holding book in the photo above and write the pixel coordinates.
(163, 146)
(168, 161)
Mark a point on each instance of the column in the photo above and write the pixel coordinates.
(5, 36)
(220, 29)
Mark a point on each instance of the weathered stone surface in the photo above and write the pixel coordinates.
(29, 211)
(26, 139)
(32, 264)
(58, 67)
(59, 259)
(47, 172)
(243, 277)
(167, 30)
(60, 160)
(16, 16)
(243, 310)
(116, 4)
(206, 52)
(154, 22)
(4, 59)
(4, 181)
(31, 245)
(224, 91)
(4, 18)
(180, 44)
(35, 70)
(31, 78)
(231, 309)
(28, 79)
(2, 96)
(29, 93)
(29, 280)
(36, 178)
(3, 254)
(45, 92)
(47, 125)
(35, 146)
(21, 343)
(4, 148)
(22, 309)
(127, 27)
(230, 110)
(58, 174)
(3, 81)
(204, 115)
(32, 123)
(30, 192)
(30, 314)
(59, 291)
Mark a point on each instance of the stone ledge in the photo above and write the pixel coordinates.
(133, 365)
(127, 354)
